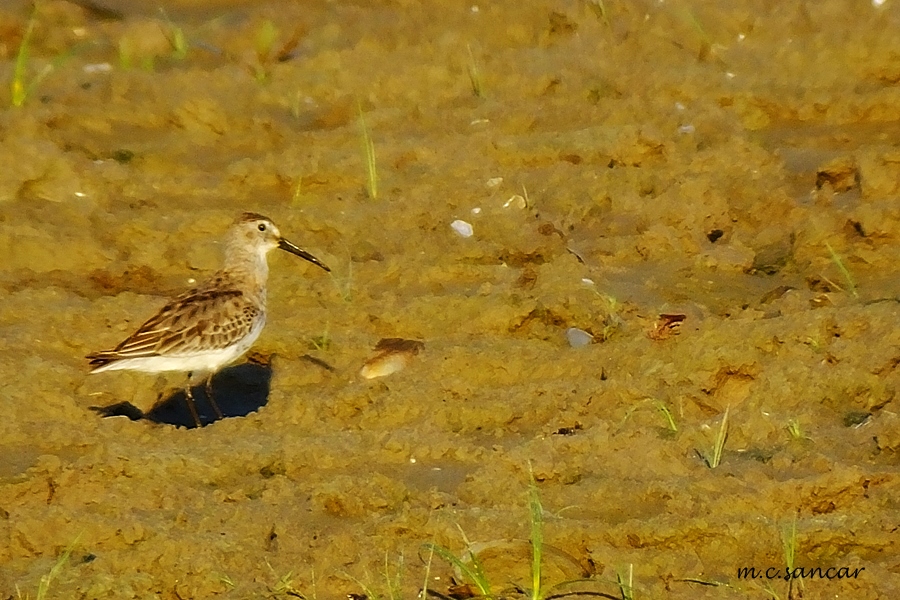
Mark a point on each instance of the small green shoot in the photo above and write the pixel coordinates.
(706, 41)
(227, 580)
(175, 35)
(667, 414)
(297, 194)
(626, 583)
(845, 272)
(368, 148)
(814, 343)
(715, 457)
(265, 40)
(474, 75)
(322, 342)
(344, 285)
(296, 104)
(789, 547)
(368, 592)
(599, 8)
(789, 544)
(611, 320)
(767, 589)
(424, 593)
(796, 431)
(126, 53)
(266, 37)
(46, 580)
(20, 89)
(393, 582)
(471, 569)
(284, 586)
(536, 512)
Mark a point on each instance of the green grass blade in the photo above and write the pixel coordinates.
(474, 573)
(368, 148)
(424, 593)
(845, 272)
(265, 40)
(537, 538)
(789, 544)
(46, 580)
(175, 36)
(719, 448)
(17, 86)
(626, 585)
(714, 458)
(474, 75)
(667, 414)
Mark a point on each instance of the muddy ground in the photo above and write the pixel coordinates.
(733, 163)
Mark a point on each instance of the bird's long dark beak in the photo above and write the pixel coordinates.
(286, 245)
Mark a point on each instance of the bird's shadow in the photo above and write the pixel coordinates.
(238, 391)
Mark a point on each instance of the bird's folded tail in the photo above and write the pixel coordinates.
(98, 360)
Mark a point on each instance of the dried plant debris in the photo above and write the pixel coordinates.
(775, 294)
(842, 174)
(571, 430)
(391, 355)
(666, 326)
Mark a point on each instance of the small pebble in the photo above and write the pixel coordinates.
(578, 338)
(462, 228)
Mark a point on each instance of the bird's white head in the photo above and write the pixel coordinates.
(254, 233)
(253, 236)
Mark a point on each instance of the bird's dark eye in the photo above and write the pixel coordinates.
(261, 226)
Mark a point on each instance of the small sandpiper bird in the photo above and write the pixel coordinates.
(210, 326)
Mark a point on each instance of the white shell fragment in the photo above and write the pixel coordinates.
(578, 338)
(494, 182)
(391, 355)
(516, 201)
(462, 228)
(97, 68)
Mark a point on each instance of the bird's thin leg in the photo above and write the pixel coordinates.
(189, 398)
(209, 396)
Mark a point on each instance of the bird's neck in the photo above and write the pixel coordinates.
(249, 270)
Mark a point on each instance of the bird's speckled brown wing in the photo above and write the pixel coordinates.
(203, 319)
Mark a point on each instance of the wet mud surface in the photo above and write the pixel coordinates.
(733, 166)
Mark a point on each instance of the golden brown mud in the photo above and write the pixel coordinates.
(736, 164)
